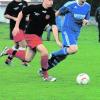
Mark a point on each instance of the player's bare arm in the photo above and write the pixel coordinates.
(16, 28)
(55, 33)
(10, 17)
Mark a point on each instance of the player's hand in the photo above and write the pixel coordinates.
(59, 44)
(85, 22)
(15, 31)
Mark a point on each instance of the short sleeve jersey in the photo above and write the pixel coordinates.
(39, 17)
(75, 14)
(13, 9)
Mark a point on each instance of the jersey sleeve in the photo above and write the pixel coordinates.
(27, 10)
(25, 4)
(8, 9)
(87, 15)
(65, 8)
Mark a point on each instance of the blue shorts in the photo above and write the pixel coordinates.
(69, 37)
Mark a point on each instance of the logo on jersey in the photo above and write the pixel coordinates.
(79, 16)
(24, 6)
(47, 17)
(75, 7)
(20, 4)
(16, 8)
(36, 14)
(44, 11)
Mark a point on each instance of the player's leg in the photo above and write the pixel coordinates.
(17, 51)
(31, 48)
(69, 47)
(44, 59)
(44, 62)
(35, 41)
(54, 60)
(10, 57)
(20, 43)
(30, 53)
(8, 51)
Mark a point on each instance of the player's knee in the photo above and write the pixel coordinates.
(28, 58)
(22, 44)
(72, 50)
(44, 53)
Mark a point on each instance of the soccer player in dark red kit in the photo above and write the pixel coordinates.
(11, 13)
(40, 15)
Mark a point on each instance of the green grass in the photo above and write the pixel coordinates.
(23, 83)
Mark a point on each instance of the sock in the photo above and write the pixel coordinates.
(57, 57)
(44, 65)
(54, 60)
(10, 57)
(19, 54)
(10, 51)
(62, 51)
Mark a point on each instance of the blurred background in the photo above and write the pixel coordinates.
(57, 5)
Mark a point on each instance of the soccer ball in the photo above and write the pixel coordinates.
(82, 79)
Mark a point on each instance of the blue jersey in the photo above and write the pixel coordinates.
(74, 14)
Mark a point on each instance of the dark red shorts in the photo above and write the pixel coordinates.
(33, 40)
(19, 36)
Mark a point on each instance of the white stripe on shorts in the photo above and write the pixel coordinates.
(66, 38)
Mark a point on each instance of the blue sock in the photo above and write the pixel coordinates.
(62, 51)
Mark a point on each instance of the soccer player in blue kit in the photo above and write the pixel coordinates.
(77, 14)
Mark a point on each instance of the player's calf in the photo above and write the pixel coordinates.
(54, 60)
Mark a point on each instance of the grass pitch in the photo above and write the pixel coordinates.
(23, 83)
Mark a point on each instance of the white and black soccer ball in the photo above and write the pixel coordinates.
(82, 79)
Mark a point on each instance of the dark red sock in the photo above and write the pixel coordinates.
(10, 51)
(20, 54)
(44, 65)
